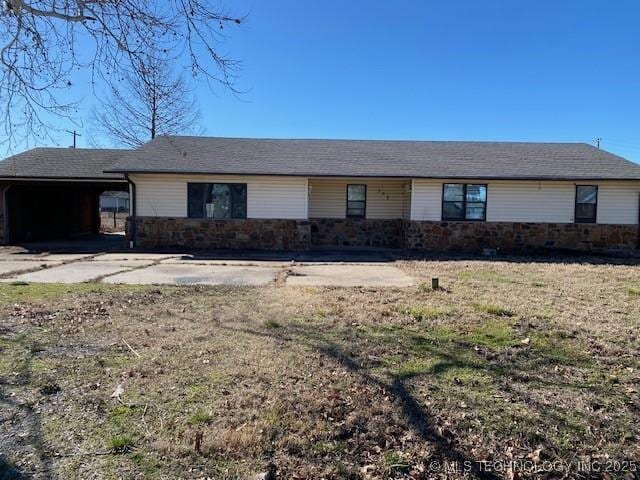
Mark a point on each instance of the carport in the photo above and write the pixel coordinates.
(53, 193)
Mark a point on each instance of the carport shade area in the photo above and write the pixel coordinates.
(44, 211)
(53, 193)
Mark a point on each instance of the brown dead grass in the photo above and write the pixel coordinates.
(325, 382)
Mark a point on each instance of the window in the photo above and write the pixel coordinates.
(217, 200)
(356, 201)
(464, 201)
(586, 203)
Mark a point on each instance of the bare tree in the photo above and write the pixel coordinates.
(150, 101)
(44, 42)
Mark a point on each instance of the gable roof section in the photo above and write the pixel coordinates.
(369, 158)
(63, 163)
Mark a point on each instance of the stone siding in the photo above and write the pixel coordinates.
(356, 232)
(158, 232)
(521, 237)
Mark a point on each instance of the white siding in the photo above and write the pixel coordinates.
(526, 201)
(426, 200)
(406, 201)
(327, 198)
(160, 195)
(386, 199)
(618, 202)
(543, 202)
(165, 195)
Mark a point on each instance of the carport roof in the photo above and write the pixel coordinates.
(63, 164)
(374, 158)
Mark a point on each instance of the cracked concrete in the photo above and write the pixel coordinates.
(175, 269)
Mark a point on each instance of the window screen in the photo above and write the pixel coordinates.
(464, 201)
(356, 200)
(586, 203)
(217, 200)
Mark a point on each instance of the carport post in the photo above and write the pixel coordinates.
(5, 216)
(132, 212)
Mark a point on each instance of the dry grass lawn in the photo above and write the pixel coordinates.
(511, 361)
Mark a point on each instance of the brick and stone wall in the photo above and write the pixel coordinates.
(356, 232)
(521, 237)
(158, 232)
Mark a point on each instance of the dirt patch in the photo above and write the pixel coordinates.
(508, 362)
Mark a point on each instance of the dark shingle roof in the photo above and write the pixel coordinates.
(482, 160)
(55, 163)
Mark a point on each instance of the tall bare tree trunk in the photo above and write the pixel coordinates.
(150, 102)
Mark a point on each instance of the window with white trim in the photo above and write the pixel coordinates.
(356, 201)
(462, 201)
(586, 204)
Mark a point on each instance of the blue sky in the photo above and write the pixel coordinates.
(433, 70)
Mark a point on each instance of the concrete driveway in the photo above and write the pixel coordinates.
(324, 269)
(347, 275)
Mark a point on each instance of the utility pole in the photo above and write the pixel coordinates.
(75, 134)
(598, 140)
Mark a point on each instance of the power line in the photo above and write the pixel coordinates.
(75, 134)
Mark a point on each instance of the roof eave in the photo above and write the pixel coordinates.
(62, 179)
(426, 177)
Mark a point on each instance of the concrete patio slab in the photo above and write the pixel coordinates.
(349, 276)
(67, 257)
(186, 260)
(175, 274)
(246, 268)
(37, 256)
(22, 256)
(13, 266)
(347, 256)
(77, 272)
(88, 244)
(153, 257)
